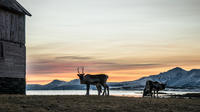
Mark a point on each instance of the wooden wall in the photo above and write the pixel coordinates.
(12, 27)
(12, 38)
(13, 63)
(12, 53)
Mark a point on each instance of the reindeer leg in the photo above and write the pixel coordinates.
(106, 87)
(101, 89)
(107, 90)
(154, 93)
(98, 86)
(157, 93)
(88, 89)
(104, 92)
(97, 89)
(144, 92)
(150, 91)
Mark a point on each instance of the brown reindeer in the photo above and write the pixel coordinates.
(98, 80)
(153, 86)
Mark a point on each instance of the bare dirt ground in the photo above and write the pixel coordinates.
(20, 103)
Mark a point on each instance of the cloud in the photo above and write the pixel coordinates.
(58, 65)
(49, 66)
(118, 66)
(74, 57)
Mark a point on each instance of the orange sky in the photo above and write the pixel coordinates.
(114, 76)
(126, 40)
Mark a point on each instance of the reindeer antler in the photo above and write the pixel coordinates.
(78, 70)
(83, 69)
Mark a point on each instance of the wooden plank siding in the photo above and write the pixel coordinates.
(12, 47)
(12, 27)
(12, 40)
(13, 64)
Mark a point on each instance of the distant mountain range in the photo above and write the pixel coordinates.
(174, 78)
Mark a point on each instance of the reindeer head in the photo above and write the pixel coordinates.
(163, 83)
(81, 75)
(162, 86)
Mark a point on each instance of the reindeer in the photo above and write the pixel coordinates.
(98, 80)
(153, 86)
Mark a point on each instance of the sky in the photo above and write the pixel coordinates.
(126, 39)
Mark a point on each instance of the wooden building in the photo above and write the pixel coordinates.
(12, 47)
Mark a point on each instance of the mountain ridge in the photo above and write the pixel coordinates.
(174, 78)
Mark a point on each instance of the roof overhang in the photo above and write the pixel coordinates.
(14, 6)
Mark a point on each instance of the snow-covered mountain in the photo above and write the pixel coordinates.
(174, 78)
(58, 85)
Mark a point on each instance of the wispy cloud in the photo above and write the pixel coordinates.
(74, 57)
(68, 64)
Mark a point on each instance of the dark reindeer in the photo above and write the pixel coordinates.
(153, 86)
(98, 80)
